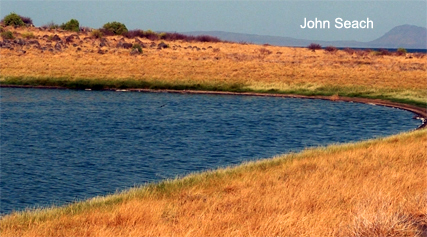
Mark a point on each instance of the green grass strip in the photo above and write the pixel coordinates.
(417, 98)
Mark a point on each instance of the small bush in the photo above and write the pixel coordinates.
(151, 35)
(401, 52)
(106, 32)
(360, 52)
(314, 46)
(13, 19)
(28, 35)
(138, 47)
(207, 38)
(71, 25)
(368, 51)
(7, 35)
(134, 33)
(383, 52)
(97, 34)
(188, 38)
(162, 36)
(331, 49)
(26, 20)
(177, 36)
(349, 51)
(115, 27)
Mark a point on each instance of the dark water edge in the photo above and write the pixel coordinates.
(388, 49)
(59, 146)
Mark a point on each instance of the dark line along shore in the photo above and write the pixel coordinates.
(420, 112)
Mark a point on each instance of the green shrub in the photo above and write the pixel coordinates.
(13, 19)
(150, 32)
(162, 36)
(7, 35)
(71, 25)
(97, 34)
(138, 47)
(401, 51)
(28, 35)
(115, 27)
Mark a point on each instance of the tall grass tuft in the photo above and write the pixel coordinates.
(8, 35)
(97, 34)
(28, 35)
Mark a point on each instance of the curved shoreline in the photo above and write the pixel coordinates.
(421, 113)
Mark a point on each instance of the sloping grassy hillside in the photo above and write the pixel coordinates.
(62, 58)
(372, 188)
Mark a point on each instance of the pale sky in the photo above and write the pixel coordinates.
(277, 18)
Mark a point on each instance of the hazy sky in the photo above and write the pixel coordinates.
(279, 18)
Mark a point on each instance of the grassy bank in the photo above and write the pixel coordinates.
(99, 84)
(81, 62)
(412, 97)
(369, 188)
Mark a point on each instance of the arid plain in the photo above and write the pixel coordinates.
(371, 188)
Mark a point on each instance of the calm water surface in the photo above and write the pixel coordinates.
(59, 146)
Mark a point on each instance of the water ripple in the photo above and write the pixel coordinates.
(58, 146)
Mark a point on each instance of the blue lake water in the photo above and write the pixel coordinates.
(59, 146)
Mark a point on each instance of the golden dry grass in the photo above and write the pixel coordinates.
(374, 188)
(257, 67)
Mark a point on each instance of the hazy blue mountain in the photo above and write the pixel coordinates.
(405, 36)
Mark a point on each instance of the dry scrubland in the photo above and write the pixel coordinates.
(243, 66)
(372, 188)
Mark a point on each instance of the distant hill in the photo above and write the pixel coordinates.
(405, 36)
